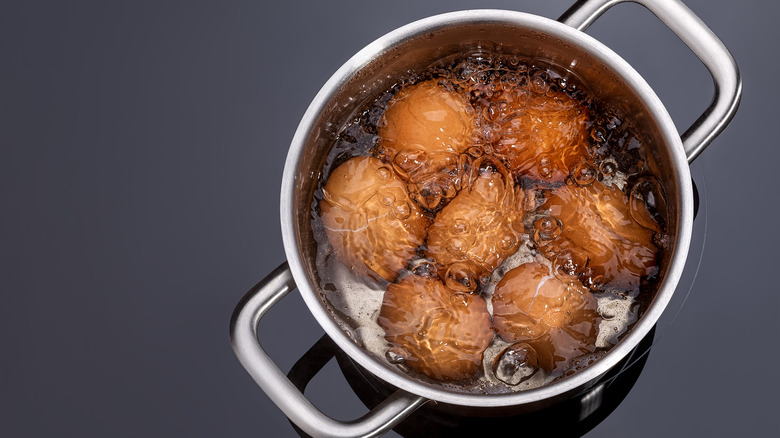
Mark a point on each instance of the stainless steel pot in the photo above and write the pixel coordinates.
(416, 46)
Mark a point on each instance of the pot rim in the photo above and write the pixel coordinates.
(600, 52)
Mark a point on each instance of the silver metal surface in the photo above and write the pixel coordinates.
(700, 39)
(414, 47)
(244, 338)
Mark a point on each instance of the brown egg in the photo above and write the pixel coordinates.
(478, 229)
(539, 132)
(557, 319)
(371, 223)
(530, 300)
(610, 248)
(424, 133)
(438, 332)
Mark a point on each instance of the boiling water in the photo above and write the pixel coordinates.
(616, 160)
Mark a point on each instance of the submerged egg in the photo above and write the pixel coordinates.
(558, 319)
(438, 332)
(371, 223)
(530, 300)
(596, 222)
(424, 134)
(478, 229)
(542, 133)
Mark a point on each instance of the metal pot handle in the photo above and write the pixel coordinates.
(700, 39)
(246, 345)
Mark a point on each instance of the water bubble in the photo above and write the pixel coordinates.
(593, 281)
(394, 357)
(408, 161)
(570, 264)
(491, 112)
(510, 81)
(598, 134)
(402, 210)
(464, 72)
(480, 60)
(608, 167)
(547, 229)
(507, 241)
(397, 360)
(613, 123)
(516, 364)
(540, 197)
(460, 277)
(455, 245)
(584, 174)
(426, 195)
(522, 82)
(540, 82)
(474, 152)
(491, 132)
(459, 299)
(648, 204)
(387, 199)
(450, 187)
(460, 226)
(423, 268)
(384, 173)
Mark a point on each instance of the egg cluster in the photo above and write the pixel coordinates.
(465, 170)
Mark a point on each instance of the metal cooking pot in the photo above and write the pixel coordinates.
(414, 47)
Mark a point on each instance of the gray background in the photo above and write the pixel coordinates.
(142, 150)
